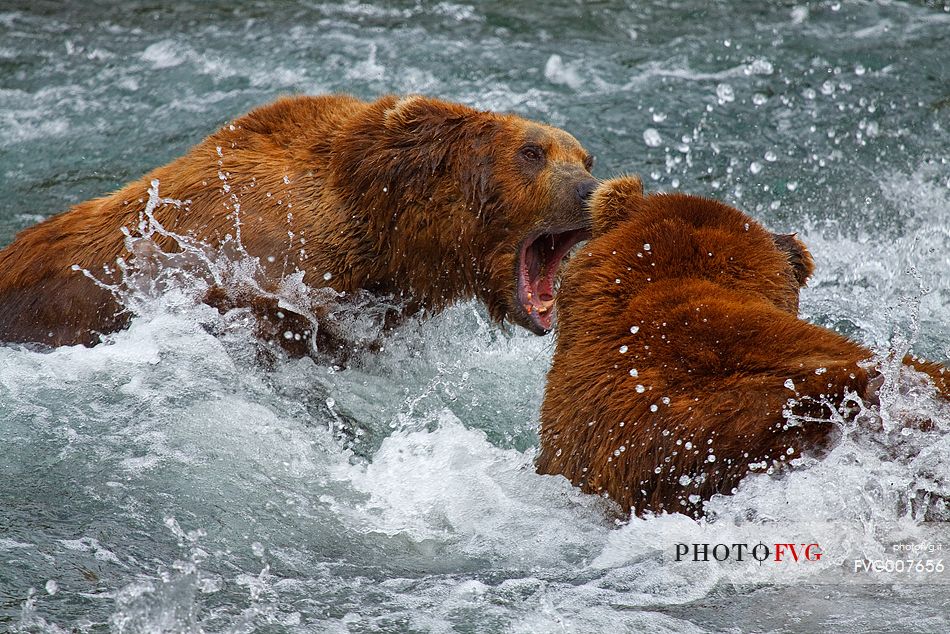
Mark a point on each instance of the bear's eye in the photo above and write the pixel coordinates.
(589, 162)
(532, 153)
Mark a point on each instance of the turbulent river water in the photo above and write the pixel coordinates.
(167, 482)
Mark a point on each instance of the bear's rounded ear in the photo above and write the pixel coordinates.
(614, 201)
(413, 111)
(798, 255)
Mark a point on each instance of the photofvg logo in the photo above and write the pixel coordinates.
(775, 553)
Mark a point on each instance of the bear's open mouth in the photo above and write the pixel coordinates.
(539, 259)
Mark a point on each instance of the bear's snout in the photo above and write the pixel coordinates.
(584, 189)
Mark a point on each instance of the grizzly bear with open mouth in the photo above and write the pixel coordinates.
(681, 364)
(414, 198)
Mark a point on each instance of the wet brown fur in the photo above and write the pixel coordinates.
(715, 299)
(418, 198)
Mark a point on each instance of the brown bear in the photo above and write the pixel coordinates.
(415, 198)
(680, 363)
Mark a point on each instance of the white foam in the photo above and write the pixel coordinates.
(556, 71)
(452, 485)
(164, 54)
(368, 69)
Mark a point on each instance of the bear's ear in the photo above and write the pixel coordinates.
(415, 111)
(614, 201)
(427, 137)
(798, 255)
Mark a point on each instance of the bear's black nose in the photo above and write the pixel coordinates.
(585, 189)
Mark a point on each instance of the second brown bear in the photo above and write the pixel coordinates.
(681, 364)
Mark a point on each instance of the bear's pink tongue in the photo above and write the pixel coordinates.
(540, 260)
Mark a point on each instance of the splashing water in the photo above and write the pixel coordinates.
(166, 481)
(186, 488)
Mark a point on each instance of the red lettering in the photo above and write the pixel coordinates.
(779, 548)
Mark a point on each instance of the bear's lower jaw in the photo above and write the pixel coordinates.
(539, 259)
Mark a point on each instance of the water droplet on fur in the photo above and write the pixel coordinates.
(659, 117)
(640, 389)
(755, 167)
(52, 587)
(759, 99)
(684, 480)
(634, 373)
(327, 276)
(653, 407)
(711, 458)
(646, 247)
(623, 349)
(770, 156)
(634, 329)
(790, 384)
(688, 445)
